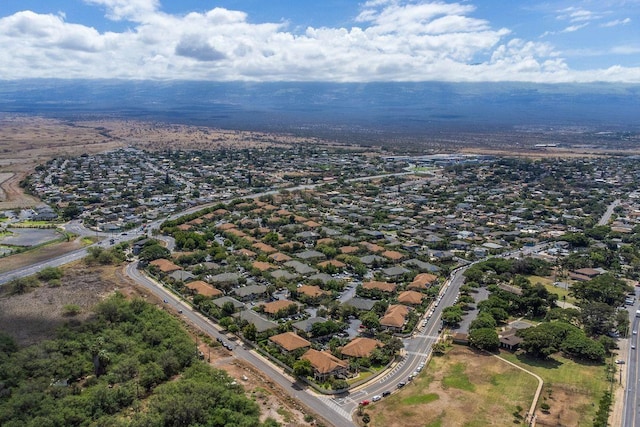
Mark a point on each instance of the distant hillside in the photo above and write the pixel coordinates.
(397, 108)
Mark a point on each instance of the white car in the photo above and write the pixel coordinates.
(376, 398)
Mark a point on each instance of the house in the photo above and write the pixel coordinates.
(509, 340)
(263, 247)
(258, 321)
(312, 292)
(333, 262)
(395, 271)
(422, 266)
(392, 255)
(311, 255)
(364, 304)
(224, 279)
(395, 317)
(300, 267)
(279, 257)
(204, 289)
(250, 292)
(305, 325)
(381, 286)
(410, 298)
(219, 302)
(181, 275)
(584, 274)
(360, 347)
(274, 307)
(263, 266)
(165, 266)
(325, 364)
(283, 274)
(289, 341)
(423, 281)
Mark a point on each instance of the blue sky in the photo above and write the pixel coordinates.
(331, 40)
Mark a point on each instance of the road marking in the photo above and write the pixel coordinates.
(336, 408)
(418, 353)
(428, 336)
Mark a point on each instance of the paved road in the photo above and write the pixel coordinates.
(631, 417)
(417, 350)
(604, 220)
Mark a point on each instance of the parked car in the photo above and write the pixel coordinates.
(401, 384)
(386, 393)
(376, 398)
(364, 403)
(620, 362)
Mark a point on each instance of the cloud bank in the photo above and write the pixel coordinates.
(391, 40)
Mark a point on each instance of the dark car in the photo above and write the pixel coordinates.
(401, 384)
(386, 393)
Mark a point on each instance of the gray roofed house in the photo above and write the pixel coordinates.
(250, 292)
(373, 233)
(330, 232)
(300, 267)
(323, 277)
(181, 275)
(307, 235)
(260, 322)
(311, 255)
(283, 274)
(370, 259)
(422, 266)
(224, 278)
(361, 303)
(395, 271)
(220, 302)
(305, 325)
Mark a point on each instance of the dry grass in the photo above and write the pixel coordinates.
(462, 388)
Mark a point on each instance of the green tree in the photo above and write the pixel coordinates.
(484, 339)
(370, 320)
(302, 368)
(452, 315)
(250, 332)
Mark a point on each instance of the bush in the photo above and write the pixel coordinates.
(70, 310)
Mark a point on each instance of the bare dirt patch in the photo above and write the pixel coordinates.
(37, 255)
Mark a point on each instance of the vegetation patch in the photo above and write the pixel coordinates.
(417, 400)
(457, 378)
(572, 388)
(131, 355)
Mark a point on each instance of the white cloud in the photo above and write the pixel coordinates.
(616, 22)
(394, 40)
(574, 28)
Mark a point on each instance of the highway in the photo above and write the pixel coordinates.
(631, 416)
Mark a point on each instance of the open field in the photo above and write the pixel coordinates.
(42, 253)
(461, 388)
(563, 294)
(572, 389)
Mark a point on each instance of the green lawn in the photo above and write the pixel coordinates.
(586, 382)
(548, 284)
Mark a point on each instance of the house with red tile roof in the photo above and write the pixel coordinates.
(325, 364)
(360, 347)
(395, 317)
(289, 341)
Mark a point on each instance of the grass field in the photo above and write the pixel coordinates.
(572, 389)
(461, 388)
(548, 283)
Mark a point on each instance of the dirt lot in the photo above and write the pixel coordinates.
(462, 388)
(37, 255)
(34, 316)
